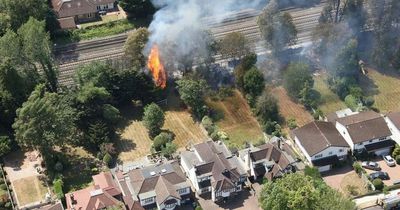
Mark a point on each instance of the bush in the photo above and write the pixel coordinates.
(318, 113)
(292, 124)
(3, 186)
(161, 140)
(198, 208)
(208, 124)
(107, 159)
(378, 184)
(58, 188)
(357, 167)
(398, 159)
(214, 136)
(351, 102)
(225, 92)
(396, 151)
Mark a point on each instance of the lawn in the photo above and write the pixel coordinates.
(352, 185)
(29, 190)
(384, 88)
(99, 31)
(330, 102)
(135, 142)
(236, 119)
(290, 109)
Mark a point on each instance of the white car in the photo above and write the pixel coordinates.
(389, 160)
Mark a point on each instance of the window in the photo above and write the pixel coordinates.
(381, 139)
(238, 188)
(318, 156)
(360, 143)
(182, 191)
(370, 141)
(340, 150)
(148, 200)
(330, 153)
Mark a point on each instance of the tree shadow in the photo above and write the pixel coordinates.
(129, 145)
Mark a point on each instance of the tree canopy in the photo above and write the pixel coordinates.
(253, 83)
(134, 46)
(138, 8)
(153, 119)
(234, 46)
(44, 120)
(297, 191)
(192, 92)
(295, 77)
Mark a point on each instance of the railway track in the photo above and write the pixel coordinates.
(71, 56)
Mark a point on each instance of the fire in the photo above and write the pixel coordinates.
(156, 68)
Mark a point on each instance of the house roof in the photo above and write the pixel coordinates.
(98, 196)
(70, 8)
(54, 206)
(395, 118)
(318, 135)
(365, 126)
(163, 181)
(67, 23)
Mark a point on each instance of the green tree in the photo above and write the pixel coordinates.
(266, 108)
(161, 140)
(246, 64)
(192, 92)
(5, 145)
(97, 134)
(44, 121)
(295, 78)
(134, 46)
(277, 29)
(296, 191)
(312, 172)
(153, 119)
(253, 83)
(138, 8)
(234, 46)
(169, 149)
(36, 48)
(346, 61)
(378, 184)
(309, 96)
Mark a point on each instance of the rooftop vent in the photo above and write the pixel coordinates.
(163, 170)
(152, 173)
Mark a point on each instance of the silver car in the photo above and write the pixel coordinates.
(389, 160)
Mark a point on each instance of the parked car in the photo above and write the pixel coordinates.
(380, 175)
(371, 165)
(389, 160)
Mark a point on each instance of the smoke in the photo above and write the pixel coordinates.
(180, 27)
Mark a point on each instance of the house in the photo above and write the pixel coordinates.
(393, 122)
(155, 187)
(270, 160)
(321, 144)
(366, 131)
(104, 193)
(71, 12)
(211, 168)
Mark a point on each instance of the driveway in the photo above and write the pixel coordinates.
(335, 176)
(245, 200)
(394, 172)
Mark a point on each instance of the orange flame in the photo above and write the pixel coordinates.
(156, 68)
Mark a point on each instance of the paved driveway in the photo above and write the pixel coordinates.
(245, 200)
(335, 176)
(394, 172)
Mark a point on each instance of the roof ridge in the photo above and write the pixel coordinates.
(323, 135)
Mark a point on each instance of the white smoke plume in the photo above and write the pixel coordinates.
(178, 26)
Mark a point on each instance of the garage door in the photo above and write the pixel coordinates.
(324, 168)
(381, 152)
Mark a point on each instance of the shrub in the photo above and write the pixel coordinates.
(225, 92)
(161, 140)
(214, 136)
(378, 184)
(58, 167)
(312, 172)
(353, 190)
(396, 151)
(318, 113)
(107, 159)
(292, 124)
(3, 186)
(208, 124)
(351, 102)
(198, 208)
(58, 188)
(357, 167)
(398, 159)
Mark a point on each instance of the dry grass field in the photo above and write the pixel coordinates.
(237, 120)
(290, 109)
(135, 142)
(330, 102)
(29, 190)
(385, 89)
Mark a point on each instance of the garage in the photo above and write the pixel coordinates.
(325, 164)
(380, 148)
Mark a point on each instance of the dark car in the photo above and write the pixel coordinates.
(371, 165)
(380, 175)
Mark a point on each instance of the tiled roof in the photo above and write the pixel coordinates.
(317, 136)
(395, 118)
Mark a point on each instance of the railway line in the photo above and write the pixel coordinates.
(69, 57)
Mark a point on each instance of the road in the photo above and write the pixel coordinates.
(71, 56)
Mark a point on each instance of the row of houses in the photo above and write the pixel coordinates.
(325, 143)
(207, 168)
